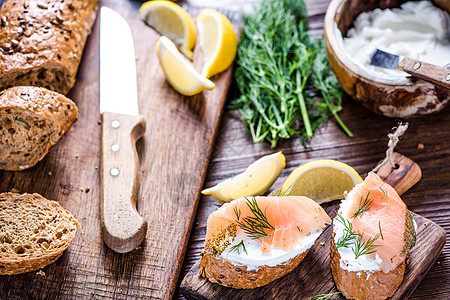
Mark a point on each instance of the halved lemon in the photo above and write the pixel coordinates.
(179, 72)
(218, 41)
(255, 181)
(321, 180)
(172, 21)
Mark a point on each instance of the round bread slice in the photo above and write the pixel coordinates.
(221, 271)
(32, 120)
(34, 232)
(363, 285)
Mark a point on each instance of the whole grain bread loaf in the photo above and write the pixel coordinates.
(32, 120)
(42, 41)
(34, 232)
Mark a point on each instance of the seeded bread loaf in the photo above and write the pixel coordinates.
(42, 41)
(34, 232)
(32, 120)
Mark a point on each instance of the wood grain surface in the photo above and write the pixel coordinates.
(426, 142)
(313, 275)
(173, 154)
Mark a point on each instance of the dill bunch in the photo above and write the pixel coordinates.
(286, 86)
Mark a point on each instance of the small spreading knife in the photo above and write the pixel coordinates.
(123, 229)
(428, 72)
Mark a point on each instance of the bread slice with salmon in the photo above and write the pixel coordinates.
(252, 241)
(373, 234)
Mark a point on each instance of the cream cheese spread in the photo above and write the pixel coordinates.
(366, 263)
(417, 29)
(254, 258)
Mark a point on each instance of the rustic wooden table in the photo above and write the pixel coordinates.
(426, 142)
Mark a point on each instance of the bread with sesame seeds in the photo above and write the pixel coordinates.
(41, 42)
(32, 120)
(34, 232)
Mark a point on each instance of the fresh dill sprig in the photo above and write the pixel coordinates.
(324, 296)
(282, 193)
(381, 232)
(255, 226)
(364, 205)
(237, 211)
(286, 85)
(363, 248)
(384, 192)
(237, 248)
(349, 235)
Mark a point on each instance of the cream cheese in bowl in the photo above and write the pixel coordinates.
(417, 29)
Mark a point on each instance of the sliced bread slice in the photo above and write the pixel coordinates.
(373, 234)
(250, 242)
(32, 120)
(34, 232)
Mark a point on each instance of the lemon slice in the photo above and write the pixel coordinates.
(170, 20)
(321, 180)
(179, 72)
(218, 41)
(256, 179)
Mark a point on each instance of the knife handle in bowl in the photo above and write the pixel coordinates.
(428, 72)
(123, 229)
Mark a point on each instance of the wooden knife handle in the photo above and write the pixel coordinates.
(123, 229)
(402, 178)
(428, 72)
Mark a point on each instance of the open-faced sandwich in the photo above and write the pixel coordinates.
(252, 241)
(373, 234)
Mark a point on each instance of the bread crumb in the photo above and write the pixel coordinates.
(87, 190)
(40, 272)
(76, 156)
(50, 173)
(322, 244)
(96, 167)
(82, 190)
(420, 146)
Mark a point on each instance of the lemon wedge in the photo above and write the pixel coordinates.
(172, 21)
(218, 41)
(179, 72)
(256, 179)
(321, 180)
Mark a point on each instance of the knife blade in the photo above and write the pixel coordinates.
(428, 72)
(123, 229)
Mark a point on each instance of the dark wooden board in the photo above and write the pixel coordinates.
(313, 276)
(426, 142)
(174, 154)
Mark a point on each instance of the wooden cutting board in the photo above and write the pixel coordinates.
(174, 154)
(313, 276)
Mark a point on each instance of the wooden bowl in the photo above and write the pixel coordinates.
(392, 97)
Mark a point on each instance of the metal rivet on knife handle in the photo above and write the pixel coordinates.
(115, 123)
(114, 172)
(447, 77)
(115, 147)
(417, 66)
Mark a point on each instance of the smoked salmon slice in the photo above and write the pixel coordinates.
(377, 213)
(275, 221)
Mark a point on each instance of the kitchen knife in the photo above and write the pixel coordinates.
(123, 229)
(428, 72)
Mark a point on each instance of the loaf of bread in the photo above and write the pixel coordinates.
(42, 41)
(34, 232)
(32, 120)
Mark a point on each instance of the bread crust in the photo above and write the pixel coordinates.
(41, 42)
(32, 258)
(223, 272)
(32, 120)
(379, 285)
